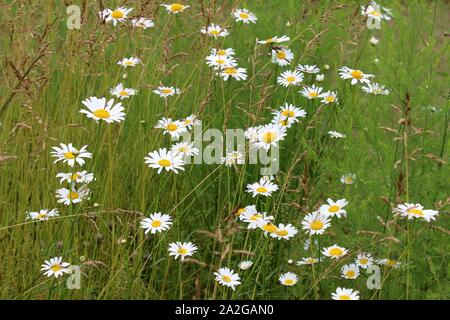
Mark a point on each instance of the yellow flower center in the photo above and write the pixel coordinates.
(167, 90)
(102, 114)
(415, 212)
(176, 7)
(290, 79)
(269, 227)
(73, 195)
(334, 208)
(261, 189)
(117, 14)
(240, 211)
(357, 74)
(391, 263)
(230, 71)
(329, 98)
(288, 113)
(182, 149)
(268, 137)
(269, 40)
(226, 278)
(129, 63)
(255, 217)
(350, 274)
(282, 233)
(348, 180)
(316, 225)
(156, 223)
(310, 261)
(164, 163)
(344, 297)
(336, 252)
(123, 93)
(69, 155)
(182, 251)
(281, 55)
(289, 282)
(75, 176)
(214, 32)
(56, 268)
(375, 13)
(283, 123)
(172, 127)
(363, 261)
(41, 216)
(244, 15)
(221, 53)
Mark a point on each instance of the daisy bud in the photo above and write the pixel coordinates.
(376, 61)
(320, 77)
(374, 41)
(326, 67)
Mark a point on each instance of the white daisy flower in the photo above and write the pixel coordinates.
(263, 187)
(67, 196)
(227, 277)
(288, 279)
(114, 16)
(99, 109)
(165, 92)
(122, 93)
(269, 135)
(275, 40)
(175, 8)
(414, 211)
(172, 127)
(348, 178)
(329, 97)
(43, 214)
(185, 249)
(78, 177)
(376, 12)
(245, 264)
(336, 135)
(345, 294)
(55, 267)
(232, 158)
(291, 111)
(186, 149)
(282, 56)
(244, 15)
(374, 41)
(163, 159)
(307, 261)
(251, 134)
(334, 251)
(334, 209)
(389, 262)
(284, 232)
(234, 72)
(290, 78)
(69, 154)
(191, 121)
(312, 92)
(220, 62)
(375, 89)
(129, 62)
(315, 223)
(157, 222)
(364, 260)
(142, 22)
(306, 68)
(355, 75)
(350, 271)
(215, 31)
(258, 220)
(320, 77)
(247, 211)
(229, 52)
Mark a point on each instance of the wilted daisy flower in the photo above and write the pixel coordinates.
(355, 75)
(284, 232)
(329, 97)
(269, 135)
(364, 260)
(245, 264)
(185, 249)
(234, 72)
(307, 261)
(157, 222)
(122, 93)
(43, 214)
(185, 149)
(376, 12)
(308, 68)
(172, 127)
(67, 196)
(411, 211)
(191, 121)
(334, 209)
(288, 78)
(334, 251)
(345, 294)
(275, 40)
(389, 262)
(244, 212)
(55, 267)
(263, 187)
(227, 277)
(69, 154)
(115, 16)
(336, 135)
(165, 92)
(375, 88)
(288, 279)
(143, 23)
(315, 223)
(348, 178)
(99, 109)
(214, 31)
(282, 56)
(175, 7)
(350, 271)
(233, 157)
(312, 92)
(244, 15)
(129, 62)
(163, 159)
(78, 177)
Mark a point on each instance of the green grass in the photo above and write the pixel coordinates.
(67, 66)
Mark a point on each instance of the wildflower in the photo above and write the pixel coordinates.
(114, 16)
(376, 89)
(263, 187)
(282, 56)
(220, 62)
(143, 23)
(312, 92)
(336, 135)
(320, 77)
(175, 8)
(245, 264)
(329, 97)
(43, 214)
(227, 277)
(233, 157)
(307, 261)
(415, 211)
(242, 213)
(191, 121)
(69, 154)
(316, 223)
(350, 271)
(355, 75)
(99, 109)
(288, 115)
(122, 93)
(275, 39)
(214, 31)
(229, 52)
(163, 159)
(74, 195)
(257, 220)
(129, 62)
(55, 267)
(78, 177)
(288, 78)
(364, 260)
(234, 72)
(389, 262)
(307, 68)
(288, 279)
(334, 251)
(376, 12)
(157, 222)
(334, 209)
(345, 294)
(165, 92)
(284, 232)
(269, 135)
(185, 249)
(185, 149)
(244, 15)
(172, 127)
(348, 178)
